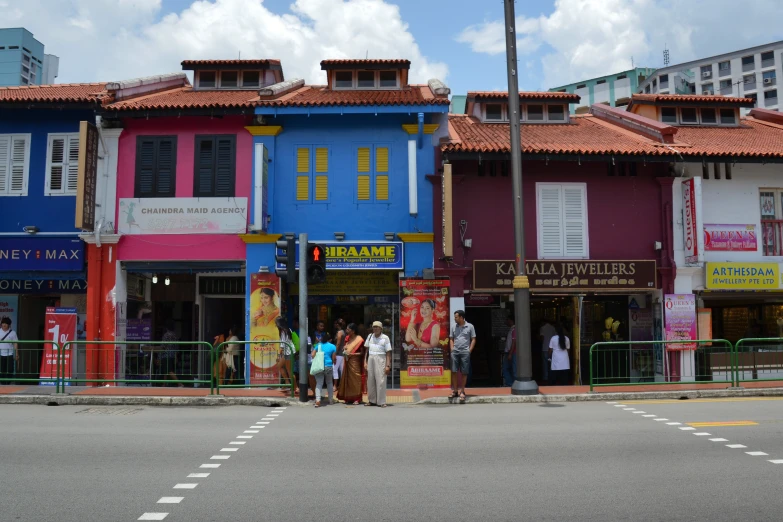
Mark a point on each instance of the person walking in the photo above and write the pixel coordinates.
(329, 351)
(350, 389)
(545, 334)
(231, 356)
(377, 364)
(339, 342)
(509, 359)
(287, 350)
(463, 340)
(9, 351)
(558, 354)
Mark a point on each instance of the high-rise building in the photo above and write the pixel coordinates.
(750, 73)
(612, 89)
(22, 59)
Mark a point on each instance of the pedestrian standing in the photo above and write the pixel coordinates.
(231, 355)
(329, 351)
(167, 359)
(545, 334)
(287, 350)
(350, 389)
(558, 355)
(377, 364)
(463, 340)
(339, 342)
(9, 351)
(509, 354)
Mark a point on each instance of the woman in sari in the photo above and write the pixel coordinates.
(350, 389)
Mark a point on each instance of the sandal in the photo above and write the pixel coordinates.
(317, 404)
(356, 403)
(462, 398)
(454, 394)
(371, 404)
(383, 405)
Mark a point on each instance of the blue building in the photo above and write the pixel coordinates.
(22, 59)
(348, 164)
(42, 259)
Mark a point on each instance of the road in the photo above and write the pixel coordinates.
(553, 462)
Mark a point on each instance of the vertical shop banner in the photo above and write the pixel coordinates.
(60, 327)
(264, 309)
(680, 320)
(692, 222)
(424, 332)
(9, 307)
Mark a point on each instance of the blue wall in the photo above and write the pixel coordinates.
(48, 213)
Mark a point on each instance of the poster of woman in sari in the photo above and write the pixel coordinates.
(264, 309)
(424, 329)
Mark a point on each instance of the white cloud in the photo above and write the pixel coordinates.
(119, 39)
(588, 38)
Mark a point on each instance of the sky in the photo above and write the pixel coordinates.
(461, 42)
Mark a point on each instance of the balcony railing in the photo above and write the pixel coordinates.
(772, 236)
(748, 66)
(726, 90)
(749, 86)
(768, 63)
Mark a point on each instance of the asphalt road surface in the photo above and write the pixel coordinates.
(657, 460)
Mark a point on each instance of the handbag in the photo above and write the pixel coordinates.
(318, 363)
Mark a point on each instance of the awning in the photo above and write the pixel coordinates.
(182, 267)
(29, 275)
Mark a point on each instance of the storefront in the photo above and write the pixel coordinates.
(596, 301)
(37, 273)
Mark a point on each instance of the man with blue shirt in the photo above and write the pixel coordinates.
(329, 350)
(463, 340)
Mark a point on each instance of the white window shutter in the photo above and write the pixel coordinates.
(72, 179)
(57, 162)
(5, 157)
(550, 226)
(18, 165)
(574, 221)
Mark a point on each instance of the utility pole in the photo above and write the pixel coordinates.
(523, 383)
(304, 375)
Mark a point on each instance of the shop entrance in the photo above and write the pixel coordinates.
(220, 314)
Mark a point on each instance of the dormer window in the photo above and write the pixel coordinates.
(688, 116)
(343, 79)
(556, 112)
(694, 116)
(535, 113)
(669, 115)
(708, 117)
(530, 112)
(207, 79)
(727, 117)
(229, 79)
(365, 79)
(388, 78)
(495, 112)
(251, 79)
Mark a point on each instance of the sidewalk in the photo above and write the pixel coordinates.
(137, 395)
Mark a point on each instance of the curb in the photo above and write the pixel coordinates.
(118, 400)
(619, 396)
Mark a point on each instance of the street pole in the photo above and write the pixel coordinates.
(304, 375)
(523, 383)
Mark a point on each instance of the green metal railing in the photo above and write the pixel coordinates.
(23, 365)
(275, 347)
(759, 357)
(613, 363)
(148, 363)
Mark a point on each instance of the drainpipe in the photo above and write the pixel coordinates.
(420, 135)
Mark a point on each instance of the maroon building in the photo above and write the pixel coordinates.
(597, 217)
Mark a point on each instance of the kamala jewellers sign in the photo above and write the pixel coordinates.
(566, 275)
(183, 216)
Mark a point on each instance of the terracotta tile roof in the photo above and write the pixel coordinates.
(321, 96)
(357, 63)
(187, 98)
(201, 63)
(752, 138)
(523, 95)
(58, 93)
(584, 135)
(691, 98)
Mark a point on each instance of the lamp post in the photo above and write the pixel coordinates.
(523, 380)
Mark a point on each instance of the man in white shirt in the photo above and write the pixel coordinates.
(377, 363)
(9, 351)
(546, 333)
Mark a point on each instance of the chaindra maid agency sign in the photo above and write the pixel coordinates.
(360, 255)
(183, 216)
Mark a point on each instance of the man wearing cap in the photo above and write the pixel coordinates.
(377, 363)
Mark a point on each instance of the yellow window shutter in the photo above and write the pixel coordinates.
(302, 188)
(382, 188)
(322, 159)
(303, 159)
(321, 188)
(382, 159)
(364, 159)
(363, 188)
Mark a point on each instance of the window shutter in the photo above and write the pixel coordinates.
(18, 150)
(72, 179)
(322, 159)
(550, 236)
(363, 188)
(363, 159)
(574, 221)
(321, 188)
(165, 168)
(303, 159)
(56, 164)
(382, 188)
(302, 188)
(303, 167)
(5, 146)
(145, 170)
(205, 161)
(382, 159)
(224, 167)
(321, 166)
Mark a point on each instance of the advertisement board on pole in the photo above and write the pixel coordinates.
(680, 320)
(9, 307)
(60, 327)
(264, 309)
(424, 331)
(692, 222)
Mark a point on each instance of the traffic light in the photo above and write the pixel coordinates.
(285, 255)
(316, 263)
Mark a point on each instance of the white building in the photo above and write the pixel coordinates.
(750, 73)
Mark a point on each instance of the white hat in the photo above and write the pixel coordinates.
(378, 324)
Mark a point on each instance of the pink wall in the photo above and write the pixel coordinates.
(185, 246)
(624, 213)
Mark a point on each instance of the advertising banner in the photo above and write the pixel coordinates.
(46, 253)
(183, 216)
(360, 255)
(743, 276)
(60, 327)
(9, 307)
(680, 320)
(424, 331)
(730, 238)
(692, 221)
(264, 309)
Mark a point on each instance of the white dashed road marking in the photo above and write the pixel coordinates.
(755, 453)
(735, 446)
(198, 475)
(780, 461)
(702, 434)
(687, 428)
(244, 436)
(229, 449)
(170, 500)
(673, 423)
(209, 466)
(649, 415)
(153, 516)
(238, 442)
(185, 486)
(719, 440)
(219, 457)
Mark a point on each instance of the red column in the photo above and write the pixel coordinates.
(94, 269)
(107, 362)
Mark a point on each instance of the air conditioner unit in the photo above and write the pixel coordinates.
(706, 74)
(767, 81)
